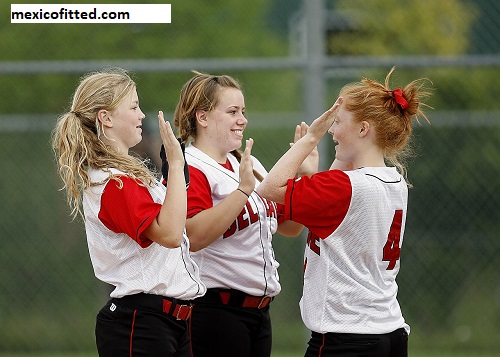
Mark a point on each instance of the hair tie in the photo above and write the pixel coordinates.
(398, 95)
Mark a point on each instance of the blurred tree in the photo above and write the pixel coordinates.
(486, 28)
(426, 27)
(215, 29)
(393, 27)
(279, 14)
(219, 28)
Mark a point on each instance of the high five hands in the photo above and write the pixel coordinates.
(311, 163)
(320, 126)
(247, 178)
(170, 149)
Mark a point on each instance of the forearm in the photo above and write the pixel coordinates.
(168, 227)
(274, 185)
(208, 225)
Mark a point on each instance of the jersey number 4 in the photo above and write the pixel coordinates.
(392, 250)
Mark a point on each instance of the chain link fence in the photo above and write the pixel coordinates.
(449, 279)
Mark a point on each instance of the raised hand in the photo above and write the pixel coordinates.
(171, 152)
(247, 178)
(320, 126)
(311, 163)
(164, 164)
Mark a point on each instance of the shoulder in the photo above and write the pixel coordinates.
(197, 158)
(102, 176)
(123, 184)
(196, 174)
(331, 176)
(193, 151)
(328, 182)
(381, 174)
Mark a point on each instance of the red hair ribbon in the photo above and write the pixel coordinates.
(398, 95)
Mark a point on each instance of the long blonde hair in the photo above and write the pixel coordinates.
(76, 138)
(378, 104)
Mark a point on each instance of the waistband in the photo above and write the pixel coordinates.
(180, 309)
(234, 298)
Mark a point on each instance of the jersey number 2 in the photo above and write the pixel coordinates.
(392, 250)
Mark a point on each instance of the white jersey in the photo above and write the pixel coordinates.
(243, 257)
(130, 265)
(356, 221)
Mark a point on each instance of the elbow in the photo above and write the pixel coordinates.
(196, 243)
(172, 242)
(172, 239)
(271, 191)
(262, 190)
(197, 235)
(295, 232)
(290, 229)
(276, 195)
(194, 248)
(166, 239)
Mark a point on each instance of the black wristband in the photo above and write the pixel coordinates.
(246, 194)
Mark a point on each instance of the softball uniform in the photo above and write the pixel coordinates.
(356, 221)
(239, 268)
(152, 284)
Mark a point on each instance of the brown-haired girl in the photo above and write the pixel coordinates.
(229, 225)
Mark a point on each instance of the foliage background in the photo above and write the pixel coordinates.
(449, 281)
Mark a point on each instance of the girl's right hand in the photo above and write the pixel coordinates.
(320, 126)
(173, 149)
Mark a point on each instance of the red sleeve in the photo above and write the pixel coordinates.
(319, 202)
(129, 209)
(199, 193)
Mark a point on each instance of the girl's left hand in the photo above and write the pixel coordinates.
(311, 163)
(247, 178)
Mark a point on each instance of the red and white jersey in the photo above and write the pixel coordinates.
(121, 255)
(243, 257)
(356, 221)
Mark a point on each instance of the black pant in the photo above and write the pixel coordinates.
(393, 344)
(219, 330)
(132, 331)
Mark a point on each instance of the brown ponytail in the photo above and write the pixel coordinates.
(237, 155)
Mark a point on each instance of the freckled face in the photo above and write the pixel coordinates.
(345, 132)
(226, 122)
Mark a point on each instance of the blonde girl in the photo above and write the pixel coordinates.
(134, 225)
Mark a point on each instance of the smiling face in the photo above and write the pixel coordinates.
(225, 123)
(123, 124)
